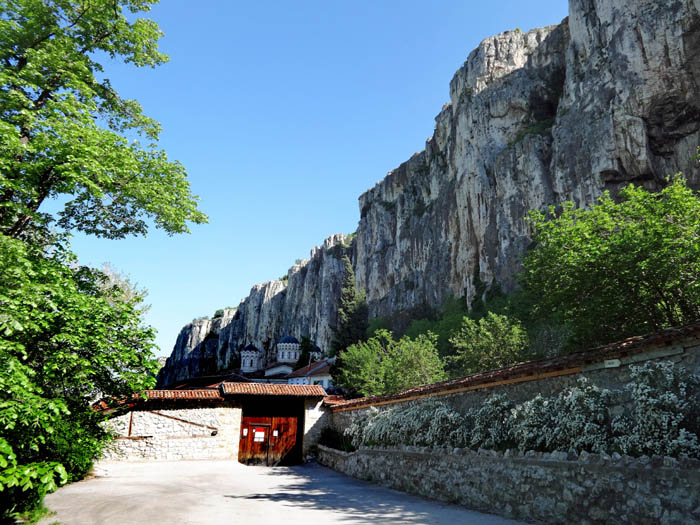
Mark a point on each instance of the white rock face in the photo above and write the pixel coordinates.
(609, 96)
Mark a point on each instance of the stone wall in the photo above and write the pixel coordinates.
(196, 433)
(553, 488)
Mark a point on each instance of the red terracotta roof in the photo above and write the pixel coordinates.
(109, 405)
(201, 393)
(267, 389)
(531, 369)
(333, 400)
(319, 368)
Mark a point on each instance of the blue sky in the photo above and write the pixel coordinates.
(283, 114)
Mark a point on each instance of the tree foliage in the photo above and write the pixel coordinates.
(382, 365)
(66, 131)
(70, 334)
(494, 341)
(352, 312)
(619, 268)
(306, 347)
(66, 339)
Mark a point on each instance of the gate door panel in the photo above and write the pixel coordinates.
(282, 439)
(254, 445)
(266, 440)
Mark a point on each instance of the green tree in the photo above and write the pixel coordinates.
(491, 342)
(305, 347)
(70, 334)
(352, 312)
(620, 268)
(66, 339)
(382, 365)
(444, 326)
(67, 132)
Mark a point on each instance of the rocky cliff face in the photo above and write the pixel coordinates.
(305, 304)
(609, 96)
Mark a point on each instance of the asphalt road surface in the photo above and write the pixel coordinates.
(218, 492)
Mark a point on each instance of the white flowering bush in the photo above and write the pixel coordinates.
(492, 423)
(430, 423)
(664, 418)
(581, 419)
(532, 424)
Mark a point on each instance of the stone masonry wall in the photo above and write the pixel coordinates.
(552, 488)
(155, 435)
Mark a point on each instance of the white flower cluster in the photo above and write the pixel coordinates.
(664, 419)
(430, 423)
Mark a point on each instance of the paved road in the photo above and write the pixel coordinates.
(217, 492)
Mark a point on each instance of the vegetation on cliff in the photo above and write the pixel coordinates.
(621, 267)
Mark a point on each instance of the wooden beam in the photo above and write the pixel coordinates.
(457, 390)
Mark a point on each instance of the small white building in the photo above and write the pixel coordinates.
(318, 373)
(251, 359)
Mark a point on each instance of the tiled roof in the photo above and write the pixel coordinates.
(319, 368)
(333, 400)
(108, 405)
(570, 363)
(201, 393)
(266, 389)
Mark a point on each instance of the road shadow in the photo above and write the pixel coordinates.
(313, 486)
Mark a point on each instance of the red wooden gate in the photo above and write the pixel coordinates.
(266, 440)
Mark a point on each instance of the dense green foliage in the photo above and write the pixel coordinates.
(67, 337)
(66, 131)
(382, 365)
(352, 312)
(620, 268)
(305, 348)
(69, 334)
(491, 342)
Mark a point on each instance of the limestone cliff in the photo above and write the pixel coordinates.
(305, 304)
(609, 96)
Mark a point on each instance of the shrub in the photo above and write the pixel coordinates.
(532, 424)
(330, 437)
(581, 419)
(664, 419)
(491, 342)
(383, 365)
(492, 424)
(429, 423)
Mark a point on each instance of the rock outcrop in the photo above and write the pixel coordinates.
(305, 304)
(609, 96)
